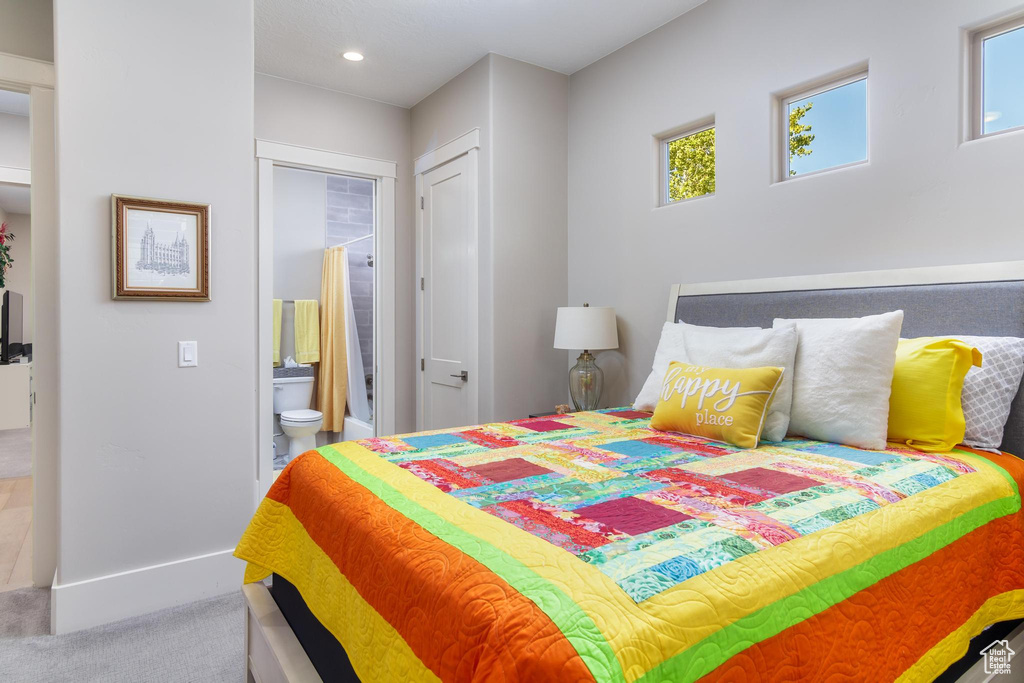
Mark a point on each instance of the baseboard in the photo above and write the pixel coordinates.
(93, 602)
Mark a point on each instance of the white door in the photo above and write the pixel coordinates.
(448, 318)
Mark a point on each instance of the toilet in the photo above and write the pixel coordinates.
(300, 424)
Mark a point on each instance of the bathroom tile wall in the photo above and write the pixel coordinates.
(350, 215)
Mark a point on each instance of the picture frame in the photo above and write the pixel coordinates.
(160, 249)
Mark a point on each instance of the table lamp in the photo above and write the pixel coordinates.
(589, 328)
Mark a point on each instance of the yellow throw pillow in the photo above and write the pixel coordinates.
(924, 407)
(720, 404)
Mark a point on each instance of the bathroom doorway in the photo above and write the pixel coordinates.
(313, 212)
(326, 252)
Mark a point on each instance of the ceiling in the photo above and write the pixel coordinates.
(13, 103)
(14, 198)
(412, 47)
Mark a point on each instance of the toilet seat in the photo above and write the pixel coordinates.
(301, 427)
(301, 416)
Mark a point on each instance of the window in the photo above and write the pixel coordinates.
(825, 127)
(688, 164)
(997, 74)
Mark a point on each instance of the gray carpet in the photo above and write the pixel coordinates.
(201, 641)
(24, 612)
(15, 453)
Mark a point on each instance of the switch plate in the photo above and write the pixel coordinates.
(188, 354)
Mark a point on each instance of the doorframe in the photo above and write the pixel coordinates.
(466, 144)
(268, 155)
(37, 79)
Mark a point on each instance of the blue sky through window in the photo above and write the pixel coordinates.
(838, 122)
(1003, 81)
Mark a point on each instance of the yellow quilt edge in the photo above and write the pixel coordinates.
(1002, 607)
(375, 649)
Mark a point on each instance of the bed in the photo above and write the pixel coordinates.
(589, 547)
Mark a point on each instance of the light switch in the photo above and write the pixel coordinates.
(188, 354)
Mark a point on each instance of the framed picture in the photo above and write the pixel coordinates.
(161, 249)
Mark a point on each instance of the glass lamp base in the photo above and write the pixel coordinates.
(585, 382)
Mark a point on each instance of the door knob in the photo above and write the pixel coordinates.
(464, 376)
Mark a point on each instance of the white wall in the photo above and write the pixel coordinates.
(458, 106)
(454, 109)
(300, 228)
(305, 115)
(530, 157)
(19, 276)
(522, 113)
(924, 198)
(157, 464)
(14, 142)
(26, 28)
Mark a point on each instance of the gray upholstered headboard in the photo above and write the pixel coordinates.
(982, 299)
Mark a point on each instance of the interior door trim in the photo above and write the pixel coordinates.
(442, 154)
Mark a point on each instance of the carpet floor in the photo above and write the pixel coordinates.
(15, 453)
(24, 612)
(201, 641)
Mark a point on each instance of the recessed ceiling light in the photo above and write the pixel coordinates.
(353, 56)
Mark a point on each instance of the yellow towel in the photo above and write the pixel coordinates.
(277, 332)
(307, 331)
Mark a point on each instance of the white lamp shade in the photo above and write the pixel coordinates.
(586, 327)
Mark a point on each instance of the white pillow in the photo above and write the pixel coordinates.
(727, 347)
(990, 389)
(843, 377)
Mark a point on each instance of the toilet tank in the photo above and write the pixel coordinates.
(292, 393)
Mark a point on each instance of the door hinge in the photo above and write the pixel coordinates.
(423, 285)
(423, 364)
(421, 201)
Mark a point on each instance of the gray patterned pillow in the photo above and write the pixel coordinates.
(990, 389)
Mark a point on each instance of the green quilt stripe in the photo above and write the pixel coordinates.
(710, 653)
(575, 625)
(985, 462)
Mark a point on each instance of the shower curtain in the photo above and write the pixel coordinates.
(341, 366)
(333, 379)
(358, 405)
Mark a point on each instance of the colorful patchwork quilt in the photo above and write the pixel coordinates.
(591, 547)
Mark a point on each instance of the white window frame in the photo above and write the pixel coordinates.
(662, 156)
(820, 86)
(976, 75)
